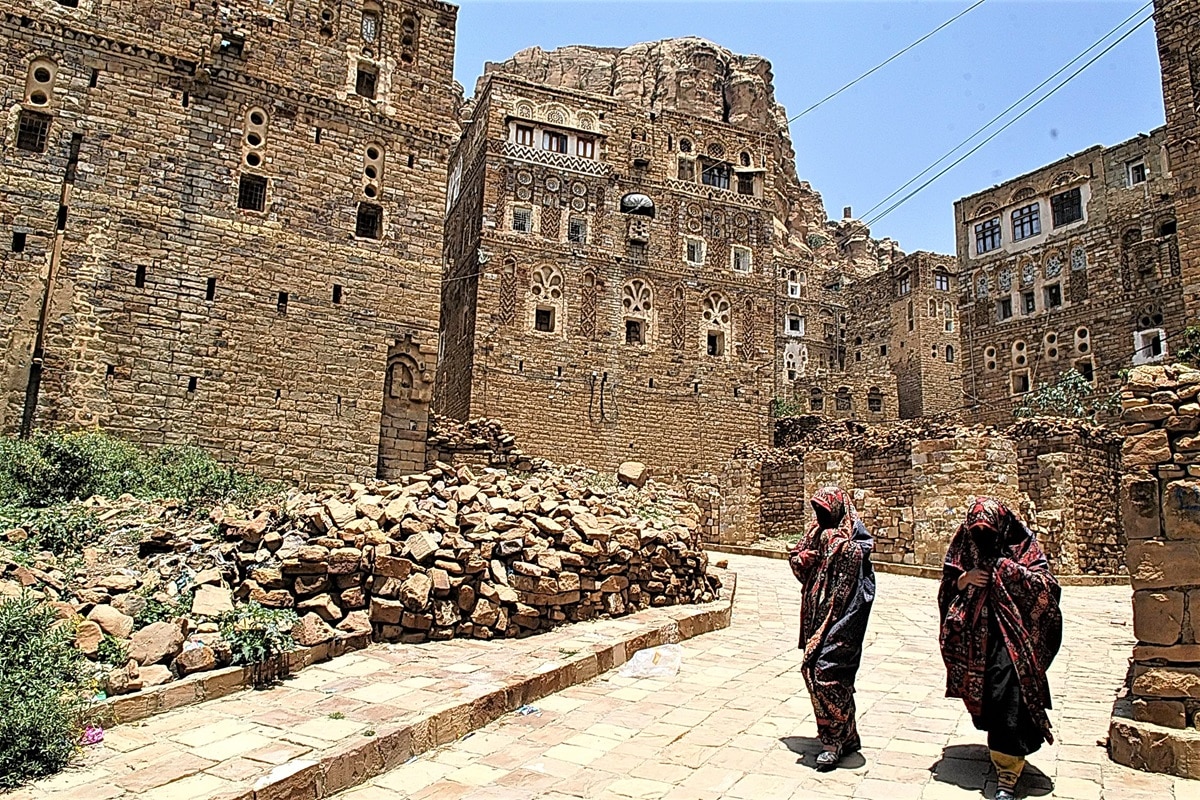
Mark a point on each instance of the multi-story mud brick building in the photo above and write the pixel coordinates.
(1075, 265)
(634, 270)
(223, 224)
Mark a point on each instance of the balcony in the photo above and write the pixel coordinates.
(533, 155)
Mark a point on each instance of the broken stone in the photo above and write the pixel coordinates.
(311, 630)
(113, 622)
(157, 642)
(212, 601)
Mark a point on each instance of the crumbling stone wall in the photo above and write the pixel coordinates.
(283, 335)
(911, 483)
(1160, 499)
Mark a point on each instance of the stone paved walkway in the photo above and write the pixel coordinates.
(736, 722)
(376, 705)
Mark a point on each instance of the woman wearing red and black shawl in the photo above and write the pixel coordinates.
(1001, 628)
(833, 562)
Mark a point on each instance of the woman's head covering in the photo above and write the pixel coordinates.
(836, 505)
(993, 528)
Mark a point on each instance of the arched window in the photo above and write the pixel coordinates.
(372, 23)
(638, 205)
(949, 354)
(948, 316)
(932, 308)
(841, 400)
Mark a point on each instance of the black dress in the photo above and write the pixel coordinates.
(1010, 728)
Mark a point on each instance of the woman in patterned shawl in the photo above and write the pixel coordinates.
(833, 563)
(1001, 628)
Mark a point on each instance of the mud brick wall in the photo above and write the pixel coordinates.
(884, 498)
(1160, 504)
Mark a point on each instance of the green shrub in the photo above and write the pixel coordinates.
(1070, 395)
(42, 690)
(53, 467)
(783, 407)
(257, 634)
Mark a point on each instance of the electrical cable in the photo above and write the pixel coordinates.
(1002, 114)
(1006, 125)
(889, 60)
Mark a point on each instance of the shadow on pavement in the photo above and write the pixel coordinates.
(807, 748)
(969, 766)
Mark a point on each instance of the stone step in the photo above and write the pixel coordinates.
(339, 723)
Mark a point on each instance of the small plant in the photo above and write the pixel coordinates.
(1070, 395)
(42, 707)
(1190, 352)
(63, 529)
(258, 636)
(784, 407)
(157, 610)
(816, 241)
(337, 715)
(112, 651)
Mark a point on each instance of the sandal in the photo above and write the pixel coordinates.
(827, 760)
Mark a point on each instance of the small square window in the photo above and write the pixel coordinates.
(525, 135)
(18, 241)
(1020, 382)
(715, 345)
(634, 332)
(370, 221)
(745, 184)
(33, 131)
(554, 142)
(905, 285)
(874, 402)
(941, 282)
(252, 192)
(281, 303)
(1149, 345)
(687, 170)
(695, 251)
(742, 258)
(522, 220)
(365, 80)
(883, 349)
(543, 320)
(795, 325)
(1026, 222)
(1053, 294)
(577, 230)
(585, 147)
(1004, 308)
(1135, 172)
(1085, 368)
(1067, 207)
(1028, 302)
(793, 288)
(987, 236)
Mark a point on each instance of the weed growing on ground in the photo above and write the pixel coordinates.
(256, 633)
(112, 651)
(42, 691)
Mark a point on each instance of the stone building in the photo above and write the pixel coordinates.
(224, 225)
(1075, 265)
(1177, 25)
(633, 268)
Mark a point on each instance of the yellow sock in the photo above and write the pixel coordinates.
(1008, 769)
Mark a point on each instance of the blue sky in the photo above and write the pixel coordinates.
(859, 147)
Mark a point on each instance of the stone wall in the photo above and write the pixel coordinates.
(1160, 505)
(911, 484)
(143, 293)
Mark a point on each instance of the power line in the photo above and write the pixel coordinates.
(883, 64)
(1002, 114)
(1006, 126)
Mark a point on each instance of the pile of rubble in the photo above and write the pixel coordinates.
(447, 553)
(440, 554)
(474, 441)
